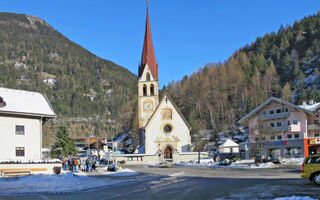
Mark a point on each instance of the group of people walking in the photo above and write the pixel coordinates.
(74, 164)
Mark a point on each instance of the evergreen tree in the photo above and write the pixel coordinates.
(64, 145)
(286, 93)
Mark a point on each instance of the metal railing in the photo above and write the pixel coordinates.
(313, 127)
(274, 116)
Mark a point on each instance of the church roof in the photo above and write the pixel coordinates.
(148, 56)
(175, 107)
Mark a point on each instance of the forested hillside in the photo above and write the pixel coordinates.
(88, 94)
(284, 64)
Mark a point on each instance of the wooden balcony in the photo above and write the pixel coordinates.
(274, 116)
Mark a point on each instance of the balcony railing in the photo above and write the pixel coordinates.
(312, 127)
(274, 116)
(274, 129)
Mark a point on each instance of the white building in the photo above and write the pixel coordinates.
(22, 115)
(164, 132)
(229, 146)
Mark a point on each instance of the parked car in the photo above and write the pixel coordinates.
(204, 160)
(310, 169)
(225, 162)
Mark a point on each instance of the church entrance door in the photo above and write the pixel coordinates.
(167, 152)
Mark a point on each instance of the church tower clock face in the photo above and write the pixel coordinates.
(148, 106)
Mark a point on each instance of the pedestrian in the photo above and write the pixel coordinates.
(74, 164)
(65, 163)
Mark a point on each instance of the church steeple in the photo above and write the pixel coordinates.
(148, 56)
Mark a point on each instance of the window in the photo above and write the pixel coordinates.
(272, 124)
(19, 130)
(151, 89)
(271, 112)
(289, 136)
(264, 112)
(313, 160)
(278, 110)
(316, 135)
(144, 90)
(288, 123)
(20, 151)
(148, 76)
(295, 121)
(278, 124)
(296, 135)
(287, 110)
(272, 137)
(316, 121)
(279, 137)
(167, 128)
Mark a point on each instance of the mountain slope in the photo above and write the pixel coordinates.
(285, 64)
(34, 56)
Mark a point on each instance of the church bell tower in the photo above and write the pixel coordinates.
(148, 85)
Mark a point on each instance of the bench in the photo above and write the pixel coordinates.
(15, 172)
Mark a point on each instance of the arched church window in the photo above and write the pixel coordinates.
(144, 90)
(151, 89)
(148, 76)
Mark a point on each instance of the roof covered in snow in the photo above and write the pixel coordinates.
(271, 99)
(310, 107)
(229, 143)
(22, 102)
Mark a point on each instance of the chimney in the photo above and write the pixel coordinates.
(304, 104)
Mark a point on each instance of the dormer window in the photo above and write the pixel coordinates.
(2, 102)
(148, 76)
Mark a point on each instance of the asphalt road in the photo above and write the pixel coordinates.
(200, 183)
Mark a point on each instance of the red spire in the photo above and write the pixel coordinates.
(148, 56)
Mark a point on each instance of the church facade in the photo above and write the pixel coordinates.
(164, 132)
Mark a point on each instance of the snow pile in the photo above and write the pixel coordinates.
(292, 161)
(123, 172)
(245, 162)
(29, 161)
(295, 198)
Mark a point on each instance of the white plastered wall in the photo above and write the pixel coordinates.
(154, 129)
(31, 141)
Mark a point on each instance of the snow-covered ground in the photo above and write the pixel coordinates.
(292, 161)
(233, 165)
(295, 198)
(123, 172)
(63, 183)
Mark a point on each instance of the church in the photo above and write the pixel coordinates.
(164, 132)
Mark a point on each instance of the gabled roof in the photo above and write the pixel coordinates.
(175, 107)
(229, 143)
(257, 109)
(148, 56)
(22, 102)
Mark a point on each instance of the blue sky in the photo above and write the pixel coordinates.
(187, 34)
